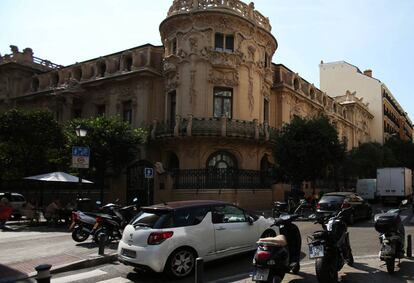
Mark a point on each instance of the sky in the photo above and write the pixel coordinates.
(370, 34)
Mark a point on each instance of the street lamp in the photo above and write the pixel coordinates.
(80, 133)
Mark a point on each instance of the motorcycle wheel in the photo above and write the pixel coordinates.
(106, 233)
(78, 235)
(276, 279)
(390, 265)
(326, 269)
(296, 268)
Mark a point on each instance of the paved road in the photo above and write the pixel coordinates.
(364, 241)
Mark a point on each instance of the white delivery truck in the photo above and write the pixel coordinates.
(394, 184)
(367, 189)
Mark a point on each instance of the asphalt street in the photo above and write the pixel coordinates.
(365, 246)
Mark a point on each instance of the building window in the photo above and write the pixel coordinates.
(127, 112)
(224, 42)
(222, 160)
(172, 102)
(100, 110)
(223, 100)
(173, 46)
(266, 111)
(77, 113)
(267, 60)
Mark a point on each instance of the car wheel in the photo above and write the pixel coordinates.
(180, 263)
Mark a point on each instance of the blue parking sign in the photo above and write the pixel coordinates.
(148, 172)
(80, 157)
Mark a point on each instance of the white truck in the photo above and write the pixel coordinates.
(367, 189)
(394, 184)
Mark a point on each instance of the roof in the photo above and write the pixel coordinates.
(339, 194)
(185, 203)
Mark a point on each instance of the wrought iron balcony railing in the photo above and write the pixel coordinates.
(218, 127)
(212, 178)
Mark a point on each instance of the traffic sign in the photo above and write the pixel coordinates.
(148, 172)
(80, 157)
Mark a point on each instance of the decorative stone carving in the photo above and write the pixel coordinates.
(222, 59)
(193, 93)
(250, 93)
(223, 77)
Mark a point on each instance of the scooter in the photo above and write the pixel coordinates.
(83, 222)
(392, 236)
(110, 226)
(330, 247)
(275, 256)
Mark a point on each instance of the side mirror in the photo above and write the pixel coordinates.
(250, 220)
(135, 200)
(98, 202)
(404, 202)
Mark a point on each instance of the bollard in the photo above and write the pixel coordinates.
(409, 246)
(43, 273)
(199, 270)
(102, 239)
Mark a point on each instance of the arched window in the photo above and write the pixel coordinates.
(296, 84)
(222, 160)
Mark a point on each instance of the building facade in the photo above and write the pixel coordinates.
(390, 119)
(210, 96)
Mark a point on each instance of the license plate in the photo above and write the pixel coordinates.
(260, 274)
(72, 225)
(316, 251)
(128, 253)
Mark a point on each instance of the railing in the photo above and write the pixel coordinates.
(235, 6)
(217, 127)
(212, 178)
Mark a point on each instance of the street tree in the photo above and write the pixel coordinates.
(113, 144)
(403, 151)
(31, 142)
(308, 149)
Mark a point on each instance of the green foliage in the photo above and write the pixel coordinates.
(113, 143)
(308, 149)
(31, 142)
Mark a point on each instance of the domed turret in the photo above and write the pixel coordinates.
(217, 59)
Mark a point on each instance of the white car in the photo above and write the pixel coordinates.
(169, 237)
(16, 201)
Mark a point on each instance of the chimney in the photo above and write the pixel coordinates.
(368, 73)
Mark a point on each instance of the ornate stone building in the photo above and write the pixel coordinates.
(210, 96)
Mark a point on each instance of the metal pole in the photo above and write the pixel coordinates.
(199, 270)
(43, 273)
(148, 191)
(409, 246)
(80, 182)
(101, 244)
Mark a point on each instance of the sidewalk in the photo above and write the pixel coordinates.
(23, 248)
(365, 269)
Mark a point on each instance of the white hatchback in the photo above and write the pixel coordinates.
(169, 237)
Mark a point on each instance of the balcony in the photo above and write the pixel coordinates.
(236, 7)
(212, 178)
(213, 127)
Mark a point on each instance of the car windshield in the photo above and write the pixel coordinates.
(153, 218)
(332, 198)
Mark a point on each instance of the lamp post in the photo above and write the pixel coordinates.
(80, 133)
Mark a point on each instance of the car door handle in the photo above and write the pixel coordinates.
(220, 228)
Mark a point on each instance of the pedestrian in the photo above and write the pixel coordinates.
(5, 212)
(52, 211)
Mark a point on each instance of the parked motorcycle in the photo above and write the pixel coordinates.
(305, 209)
(83, 222)
(277, 255)
(330, 247)
(111, 226)
(392, 236)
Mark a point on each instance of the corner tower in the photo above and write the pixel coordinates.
(217, 60)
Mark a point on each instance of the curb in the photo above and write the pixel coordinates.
(84, 263)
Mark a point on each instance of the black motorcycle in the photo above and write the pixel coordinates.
(392, 236)
(83, 222)
(330, 247)
(277, 255)
(110, 226)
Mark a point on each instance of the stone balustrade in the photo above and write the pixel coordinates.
(143, 58)
(215, 127)
(237, 7)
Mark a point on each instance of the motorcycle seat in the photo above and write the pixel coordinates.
(279, 241)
